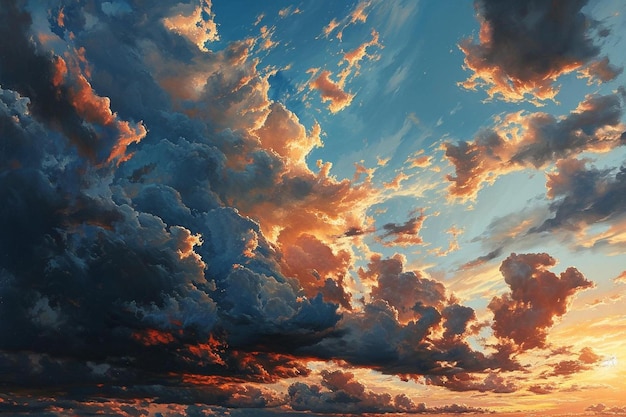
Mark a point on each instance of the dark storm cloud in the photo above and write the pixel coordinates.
(538, 296)
(136, 270)
(524, 46)
(62, 100)
(584, 196)
(535, 140)
(399, 330)
(403, 234)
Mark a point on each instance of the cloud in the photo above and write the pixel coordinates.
(331, 91)
(605, 410)
(404, 234)
(584, 196)
(493, 382)
(341, 392)
(402, 290)
(130, 265)
(482, 259)
(534, 140)
(523, 48)
(334, 92)
(194, 23)
(538, 296)
(358, 15)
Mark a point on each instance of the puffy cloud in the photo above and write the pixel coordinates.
(538, 296)
(402, 290)
(524, 47)
(493, 382)
(341, 392)
(194, 23)
(65, 99)
(132, 266)
(534, 140)
(409, 327)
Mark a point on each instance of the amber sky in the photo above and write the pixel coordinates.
(276, 208)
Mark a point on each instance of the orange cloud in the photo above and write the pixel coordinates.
(537, 297)
(192, 24)
(331, 92)
(534, 140)
(151, 337)
(95, 110)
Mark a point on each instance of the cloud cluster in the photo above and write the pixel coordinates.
(159, 242)
(524, 47)
(341, 392)
(537, 297)
(534, 140)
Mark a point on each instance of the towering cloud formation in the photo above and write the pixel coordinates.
(537, 297)
(524, 46)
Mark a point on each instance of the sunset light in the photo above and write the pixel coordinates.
(312, 208)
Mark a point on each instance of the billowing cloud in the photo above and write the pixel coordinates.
(341, 392)
(538, 296)
(520, 141)
(524, 47)
(194, 23)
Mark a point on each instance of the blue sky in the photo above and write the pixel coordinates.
(318, 207)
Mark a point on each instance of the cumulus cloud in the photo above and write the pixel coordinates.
(493, 382)
(341, 392)
(534, 140)
(538, 296)
(116, 258)
(524, 47)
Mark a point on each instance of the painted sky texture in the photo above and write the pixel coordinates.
(275, 208)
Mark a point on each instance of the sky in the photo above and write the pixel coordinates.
(321, 208)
